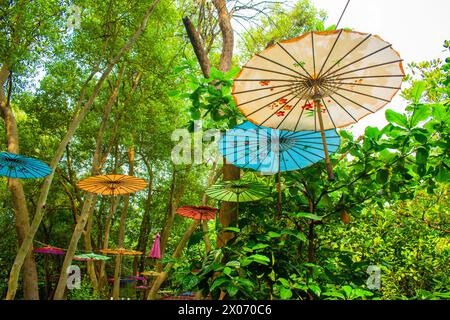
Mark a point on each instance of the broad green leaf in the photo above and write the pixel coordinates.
(397, 118)
(189, 281)
(308, 215)
(315, 288)
(418, 90)
(439, 112)
(232, 73)
(443, 175)
(234, 264)
(422, 156)
(348, 290)
(372, 132)
(420, 138)
(285, 293)
(259, 258)
(259, 246)
(232, 290)
(421, 113)
(173, 93)
(274, 234)
(284, 282)
(233, 229)
(218, 282)
(227, 271)
(383, 176)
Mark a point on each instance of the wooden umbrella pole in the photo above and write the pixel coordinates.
(324, 141)
(279, 186)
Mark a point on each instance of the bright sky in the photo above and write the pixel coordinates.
(416, 28)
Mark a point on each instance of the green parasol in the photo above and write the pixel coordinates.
(238, 191)
(91, 257)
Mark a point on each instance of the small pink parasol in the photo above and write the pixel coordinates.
(155, 252)
(50, 250)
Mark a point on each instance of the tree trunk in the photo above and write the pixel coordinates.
(121, 238)
(88, 246)
(228, 211)
(31, 290)
(103, 277)
(177, 254)
(139, 261)
(91, 198)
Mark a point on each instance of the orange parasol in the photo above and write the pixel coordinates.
(198, 213)
(121, 252)
(111, 185)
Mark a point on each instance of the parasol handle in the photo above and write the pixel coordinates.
(324, 141)
(279, 186)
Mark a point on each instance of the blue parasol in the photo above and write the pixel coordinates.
(19, 167)
(272, 151)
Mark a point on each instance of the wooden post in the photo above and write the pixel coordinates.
(324, 141)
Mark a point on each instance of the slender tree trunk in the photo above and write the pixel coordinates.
(170, 216)
(31, 290)
(91, 198)
(103, 277)
(228, 210)
(121, 239)
(177, 254)
(27, 243)
(139, 261)
(88, 246)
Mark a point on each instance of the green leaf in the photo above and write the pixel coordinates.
(216, 74)
(315, 289)
(232, 73)
(421, 138)
(439, 112)
(232, 290)
(195, 113)
(397, 118)
(285, 293)
(274, 234)
(417, 91)
(422, 156)
(233, 229)
(227, 271)
(189, 282)
(218, 282)
(259, 246)
(308, 215)
(372, 132)
(443, 175)
(234, 264)
(284, 282)
(421, 113)
(259, 258)
(348, 290)
(173, 93)
(383, 176)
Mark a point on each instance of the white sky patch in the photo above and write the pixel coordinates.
(416, 28)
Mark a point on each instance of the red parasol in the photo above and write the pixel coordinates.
(198, 213)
